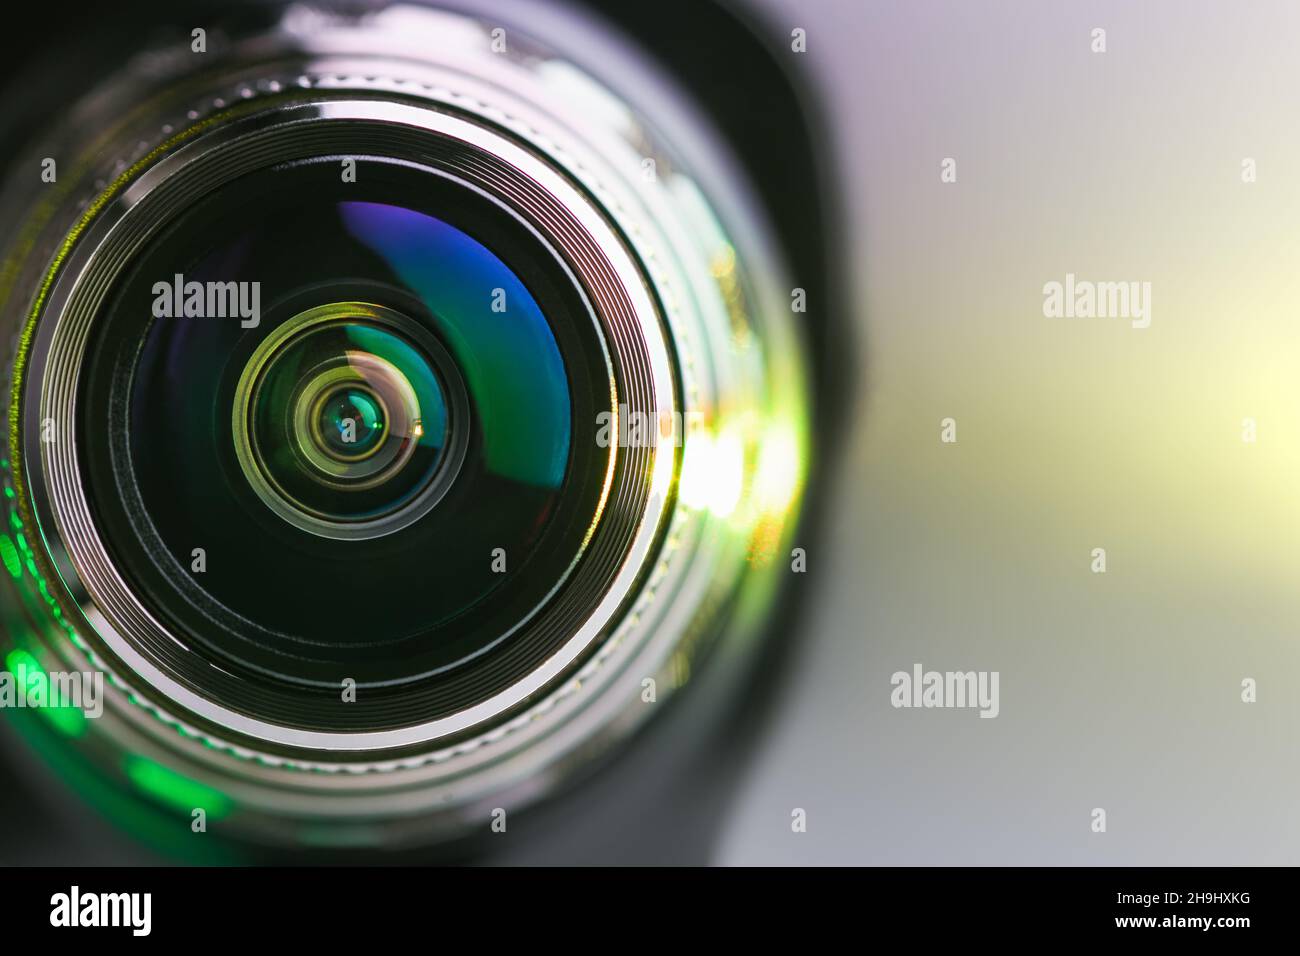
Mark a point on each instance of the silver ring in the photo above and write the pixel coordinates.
(595, 252)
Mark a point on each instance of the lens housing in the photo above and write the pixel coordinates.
(665, 304)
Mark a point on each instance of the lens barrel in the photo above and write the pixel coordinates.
(391, 419)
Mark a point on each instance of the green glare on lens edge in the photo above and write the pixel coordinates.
(67, 720)
(175, 789)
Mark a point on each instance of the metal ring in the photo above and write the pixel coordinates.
(489, 162)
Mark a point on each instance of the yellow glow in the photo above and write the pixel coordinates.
(779, 467)
(713, 472)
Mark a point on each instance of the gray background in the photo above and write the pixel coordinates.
(1121, 690)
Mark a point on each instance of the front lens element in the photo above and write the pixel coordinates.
(394, 429)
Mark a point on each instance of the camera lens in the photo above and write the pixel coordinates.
(392, 419)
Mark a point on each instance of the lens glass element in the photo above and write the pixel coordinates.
(341, 421)
(365, 466)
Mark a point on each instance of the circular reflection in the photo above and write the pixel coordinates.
(341, 420)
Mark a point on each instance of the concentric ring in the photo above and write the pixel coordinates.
(297, 425)
(636, 484)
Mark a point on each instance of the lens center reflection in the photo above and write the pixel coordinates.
(350, 423)
(343, 420)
